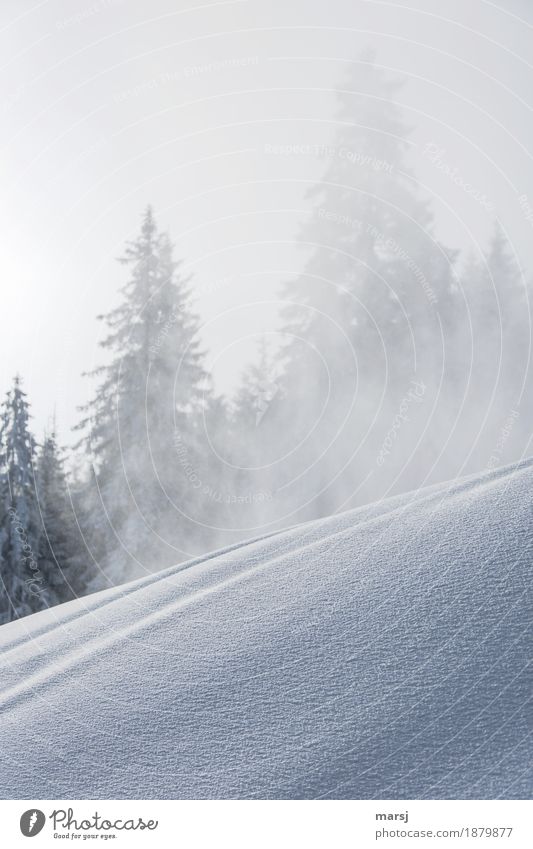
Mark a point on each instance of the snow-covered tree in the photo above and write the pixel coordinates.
(258, 390)
(255, 442)
(369, 312)
(492, 356)
(24, 588)
(61, 550)
(145, 415)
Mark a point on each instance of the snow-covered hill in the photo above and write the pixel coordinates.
(381, 653)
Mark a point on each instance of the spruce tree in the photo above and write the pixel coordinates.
(258, 390)
(61, 550)
(493, 357)
(142, 426)
(371, 310)
(256, 443)
(24, 588)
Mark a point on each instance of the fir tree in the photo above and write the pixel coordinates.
(258, 391)
(370, 312)
(257, 446)
(492, 344)
(144, 417)
(24, 588)
(61, 548)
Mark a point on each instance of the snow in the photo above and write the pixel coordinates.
(381, 653)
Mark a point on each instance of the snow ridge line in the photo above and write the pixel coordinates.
(78, 654)
(123, 591)
(46, 673)
(50, 670)
(118, 593)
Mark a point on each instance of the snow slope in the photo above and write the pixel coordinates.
(382, 653)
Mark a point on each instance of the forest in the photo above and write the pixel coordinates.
(397, 359)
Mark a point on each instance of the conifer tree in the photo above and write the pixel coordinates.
(257, 445)
(492, 341)
(61, 557)
(371, 310)
(257, 391)
(24, 588)
(144, 417)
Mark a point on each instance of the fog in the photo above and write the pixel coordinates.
(348, 189)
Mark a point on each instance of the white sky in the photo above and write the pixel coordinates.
(107, 105)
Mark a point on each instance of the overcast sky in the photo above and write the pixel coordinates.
(112, 104)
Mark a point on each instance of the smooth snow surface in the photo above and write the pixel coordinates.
(381, 653)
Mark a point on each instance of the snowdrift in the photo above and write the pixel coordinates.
(381, 653)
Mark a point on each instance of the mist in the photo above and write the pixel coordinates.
(324, 217)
